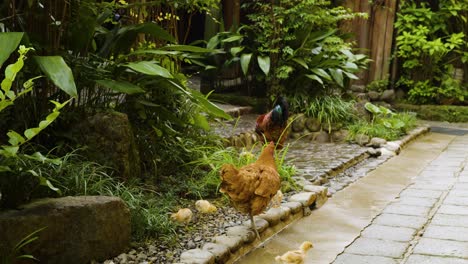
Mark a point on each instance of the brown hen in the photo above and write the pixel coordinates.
(251, 187)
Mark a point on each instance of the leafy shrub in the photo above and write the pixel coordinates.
(378, 85)
(327, 109)
(384, 124)
(429, 48)
(292, 46)
(18, 178)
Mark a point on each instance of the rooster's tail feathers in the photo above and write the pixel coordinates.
(280, 112)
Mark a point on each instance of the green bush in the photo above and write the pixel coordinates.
(429, 47)
(449, 113)
(384, 124)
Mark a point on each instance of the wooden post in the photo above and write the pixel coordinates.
(381, 39)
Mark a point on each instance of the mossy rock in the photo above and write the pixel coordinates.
(110, 141)
(450, 113)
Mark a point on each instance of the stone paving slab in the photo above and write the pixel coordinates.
(450, 220)
(456, 200)
(397, 220)
(421, 193)
(377, 247)
(459, 192)
(439, 247)
(447, 232)
(422, 259)
(401, 234)
(453, 209)
(403, 209)
(418, 201)
(430, 186)
(361, 259)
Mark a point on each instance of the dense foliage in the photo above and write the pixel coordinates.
(432, 43)
(293, 47)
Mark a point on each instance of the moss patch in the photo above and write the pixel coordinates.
(448, 113)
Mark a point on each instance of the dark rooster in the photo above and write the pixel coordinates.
(272, 125)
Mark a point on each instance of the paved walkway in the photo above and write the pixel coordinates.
(412, 209)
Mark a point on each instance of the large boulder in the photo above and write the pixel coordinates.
(78, 229)
(110, 141)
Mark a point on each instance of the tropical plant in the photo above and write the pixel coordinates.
(378, 85)
(10, 156)
(384, 124)
(430, 47)
(299, 39)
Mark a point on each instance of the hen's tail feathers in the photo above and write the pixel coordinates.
(280, 112)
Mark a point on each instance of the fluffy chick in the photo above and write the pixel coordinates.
(205, 207)
(182, 216)
(295, 256)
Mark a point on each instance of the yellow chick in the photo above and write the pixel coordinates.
(205, 207)
(295, 256)
(277, 199)
(184, 216)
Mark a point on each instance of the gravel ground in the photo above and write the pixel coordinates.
(205, 226)
(198, 232)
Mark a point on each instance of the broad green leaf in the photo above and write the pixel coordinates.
(45, 182)
(233, 38)
(156, 52)
(314, 77)
(337, 75)
(351, 75)
(5, 104)
(4, 168)
(31, 132)
(44, 123)
(15, 139)
(372, 108)
(58, 72)
(187, 48)
(301, 62)
(9, 41)
(10, 150)
(52, 116)
(264, 63)
(41, 158)
(322, 73)
(351, 66)
(149, 68)
(236, 50)
(153, 29)
(319, 35)
(213, 42)
(245, 61)
(121, 86)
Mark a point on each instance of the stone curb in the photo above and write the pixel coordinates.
(240, 240)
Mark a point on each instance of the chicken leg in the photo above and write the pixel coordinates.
(254, 227)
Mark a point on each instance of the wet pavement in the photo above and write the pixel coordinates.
(411, 209)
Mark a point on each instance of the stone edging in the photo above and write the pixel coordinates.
(240, 240)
